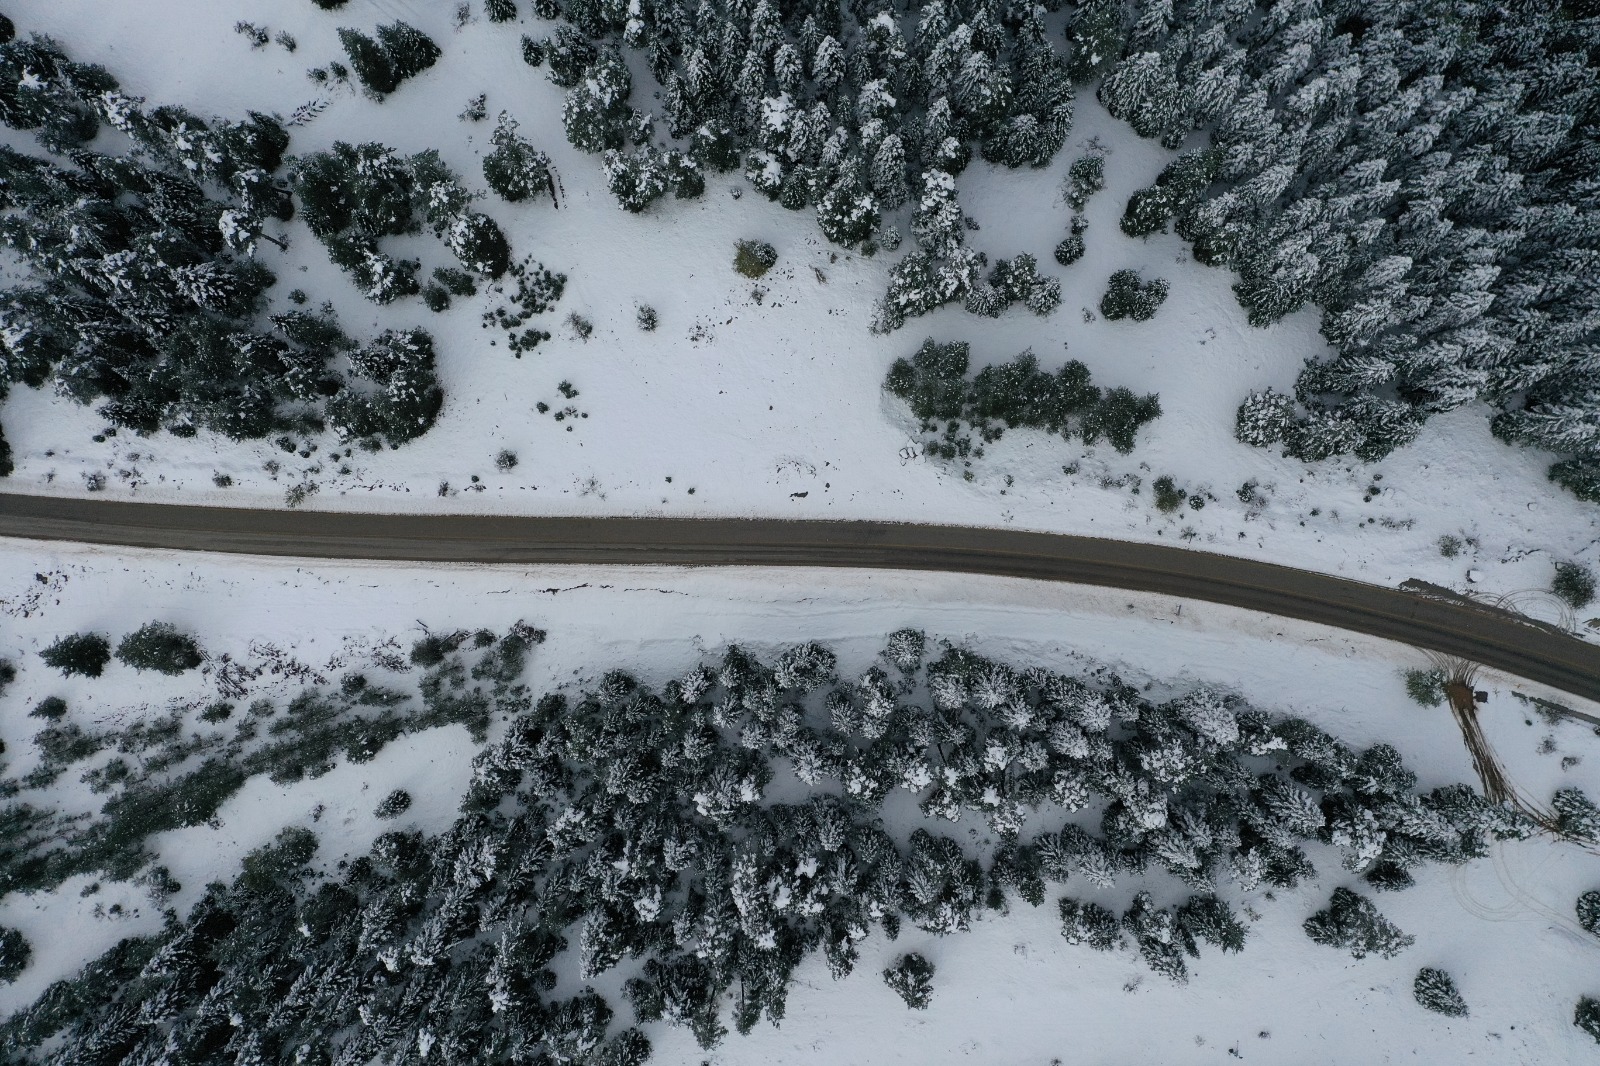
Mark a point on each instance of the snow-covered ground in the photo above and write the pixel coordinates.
(1011, 990)
(773, 405)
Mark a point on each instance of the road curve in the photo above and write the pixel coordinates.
(1495, 639)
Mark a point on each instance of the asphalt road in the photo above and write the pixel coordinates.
(1495, 639)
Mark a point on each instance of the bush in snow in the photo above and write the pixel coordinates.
(1351, 921)
(85, 654)
(1426, 687)
(1588, 908)
(50, 708)
(1128, 296)
(1071, 248)
(912, 980)
(394, 804)
(160, 647)
(500, 10)
(1587, 1017)
(1435, 990)
(1574, 583)
(15, 952)
(1576, 815)
(754, 258)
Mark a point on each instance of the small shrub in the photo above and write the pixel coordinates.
(1576, 815)
(1574, 583)
(1425, 686)
(50, 708)
(1450, 546)
(1587, 1017)
(912, 979)
(506, 460)
(500, 10)
(580, 325)
(754, 258)
(217, 712)
(160, 647)
(1168, 496)
(222, 481)
(82, 653)
(394, 804)
(1436, 991)
(432, 649)
(647, 318)
(1071, 248)
(1589, 911)
(256, 35)
(15, 952)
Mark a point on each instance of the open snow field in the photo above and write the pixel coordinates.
(772, 404)
(1011, 990)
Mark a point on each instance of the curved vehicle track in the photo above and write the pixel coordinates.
(1496, 639)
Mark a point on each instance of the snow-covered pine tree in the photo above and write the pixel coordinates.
(514, 168)
(912, 980)
(1435, 990)
(1352, 922)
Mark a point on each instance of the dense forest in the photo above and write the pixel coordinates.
(1426, 174)
(630, 822)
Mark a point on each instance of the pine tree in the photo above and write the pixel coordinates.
(1352, 922)
(596, 109)
(1071, 248)
(1587, 1017)
(1435, 990)
(477, 241)
(912, 980)
(408, 49)
(84, 654)
(1576, 815)
(637, 179)
(1589, 911)
(847, 212)
(1088, 923)
(1129, 296)
(514, 168)
(160, 647)
(15, 953)
(1574, 584)
(370, 62)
